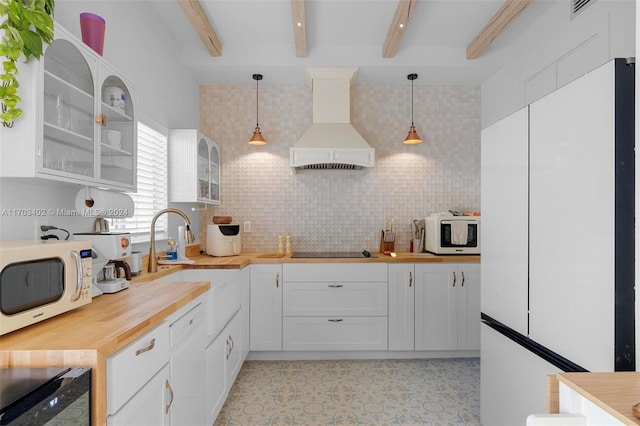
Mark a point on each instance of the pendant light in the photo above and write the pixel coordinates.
(412, 138)
(257, 138)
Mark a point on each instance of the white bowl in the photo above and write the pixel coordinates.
(111, 137)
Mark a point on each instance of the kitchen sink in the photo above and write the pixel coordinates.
(332, 254)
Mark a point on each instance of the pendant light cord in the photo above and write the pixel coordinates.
(412, 102)
(257, 120)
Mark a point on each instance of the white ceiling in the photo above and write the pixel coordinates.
(257, 37)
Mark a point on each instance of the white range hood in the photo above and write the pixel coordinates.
(331, 143)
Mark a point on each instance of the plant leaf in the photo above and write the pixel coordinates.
(32, 43)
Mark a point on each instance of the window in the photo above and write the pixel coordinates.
(152, 186)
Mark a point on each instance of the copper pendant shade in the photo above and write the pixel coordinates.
(257, 138)
(412, 138)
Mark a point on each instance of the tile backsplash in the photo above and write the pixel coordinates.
(334, 210)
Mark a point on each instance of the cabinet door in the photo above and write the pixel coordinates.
(572, 260)
(436, 305)
(401, 307)
(150, 406)
(335, 333)
(505, 220)
(216, 384)
(469, 307)
(234, 349)
(187, 366)
(266, 308)
(245, 281)
(214, 173)
(68, 112)
(118, 130)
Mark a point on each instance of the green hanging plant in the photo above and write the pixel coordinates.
(26, 25)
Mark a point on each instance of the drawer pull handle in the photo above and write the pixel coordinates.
(454, 279)
(336, 320)
(410, 279)
(232, 344)
(277, 279)
(335, 286)
(147, 348)
(167, 385)
(462, 273)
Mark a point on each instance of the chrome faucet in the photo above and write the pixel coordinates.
(189, 238)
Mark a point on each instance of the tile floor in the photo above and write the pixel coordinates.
(355, 392)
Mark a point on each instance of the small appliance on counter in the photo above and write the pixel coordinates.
(39, 280)
(110, 250)
(447, 233)
(223, 240)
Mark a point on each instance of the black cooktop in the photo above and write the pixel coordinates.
(332, 254)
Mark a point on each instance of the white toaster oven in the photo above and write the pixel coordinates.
(452, 234)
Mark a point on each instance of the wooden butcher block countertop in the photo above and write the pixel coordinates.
(204, 261)
(616, 393)
(86, 336)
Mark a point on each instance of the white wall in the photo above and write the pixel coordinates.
(143, 51)
(543, 59)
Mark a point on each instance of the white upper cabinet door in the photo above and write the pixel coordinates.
(68, 131)
(194, 166)
(505, 211)
(572, 220)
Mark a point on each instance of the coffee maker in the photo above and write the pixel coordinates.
(111, 273)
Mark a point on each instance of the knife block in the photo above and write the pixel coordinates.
(386, 246)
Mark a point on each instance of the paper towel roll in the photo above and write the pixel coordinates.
(94, 202)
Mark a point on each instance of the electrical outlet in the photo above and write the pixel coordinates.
(247, 226)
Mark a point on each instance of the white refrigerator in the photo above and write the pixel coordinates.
(558, 248)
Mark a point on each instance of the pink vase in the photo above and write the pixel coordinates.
(92, 27)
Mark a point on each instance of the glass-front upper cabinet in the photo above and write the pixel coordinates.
(117, 131)
(68, 146)
(194, 166)
(71, 129)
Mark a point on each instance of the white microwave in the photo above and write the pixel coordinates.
(39, 280)
(452, 234)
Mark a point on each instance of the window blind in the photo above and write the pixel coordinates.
(151, 195)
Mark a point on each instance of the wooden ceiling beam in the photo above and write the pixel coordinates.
(198, 18)
(398, 26)
(508, 13)
(299, 27)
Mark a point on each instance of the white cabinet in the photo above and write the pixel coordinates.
(266, 308)
(224, 359)
(215, 371)
(447, 307)
(401, 306)
(138, 384)
(335, 307)
(158, 379)
(233, 355)
(187, 336)
(194, 167)
(73, 128)
(150, 406)
(505, 226)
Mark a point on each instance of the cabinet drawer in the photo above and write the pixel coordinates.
(335, 272)
(334, 333)
(323, 299)
(130, 368)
